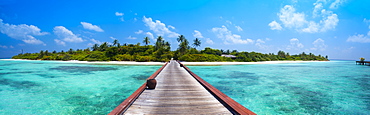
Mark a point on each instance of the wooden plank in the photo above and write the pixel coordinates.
(177, 92)
(223, 98)
(125, 104)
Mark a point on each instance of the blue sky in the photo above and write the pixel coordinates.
(337, 28)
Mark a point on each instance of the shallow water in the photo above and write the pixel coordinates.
(48, 87)
(335, 87)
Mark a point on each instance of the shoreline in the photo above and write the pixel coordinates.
(162, 63)
(243, 63)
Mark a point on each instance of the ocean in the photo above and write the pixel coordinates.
(52, 87)
(334, 87)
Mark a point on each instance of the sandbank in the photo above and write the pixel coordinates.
(162, 63)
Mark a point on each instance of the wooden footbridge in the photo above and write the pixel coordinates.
(179, 91)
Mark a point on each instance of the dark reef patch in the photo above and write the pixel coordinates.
(82, 69)
(17, 84)
(292, 66)
(140, 76)
(89, 105)
(243, 75)
(46, 76)
(10, 64)
(313, 101)
(22, 72)
(78, 100)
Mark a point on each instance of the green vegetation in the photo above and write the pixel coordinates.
(161, 52)
(362, 59)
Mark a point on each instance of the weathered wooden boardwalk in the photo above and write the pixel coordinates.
(177, 92)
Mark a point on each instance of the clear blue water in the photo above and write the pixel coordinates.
(48, 87)
(335, 87)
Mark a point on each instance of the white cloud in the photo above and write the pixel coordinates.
(130, 37)
(5, 47)
(295, 44)
(209, 41)
(96, 41)
(336, 4)
(197, 34)
(295, 20)
(312, 28)
(359, 38)
(330, 22)
(169, 26)
(139, 32)
(239, 28)
(60, 42)
(318, 7)
(260, 44)
(22, 32)
(260, 41)
(159, 28)
(119, 14)
(33, 40)
(367, 21)
(291, 18)
(228, 22)
(319, 44)
(113, 38)
(228, 36)
(275, 26)
(66, 35)
(89, 26)
(349, 49)
(150, 35)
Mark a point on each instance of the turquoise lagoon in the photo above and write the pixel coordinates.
(334, 87)
(50, 87)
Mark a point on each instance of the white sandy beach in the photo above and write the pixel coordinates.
(162, 63)
(244, 63)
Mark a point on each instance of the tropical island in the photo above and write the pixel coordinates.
(161, 52)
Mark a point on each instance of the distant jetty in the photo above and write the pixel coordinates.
(363, 63)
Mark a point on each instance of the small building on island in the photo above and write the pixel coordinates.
(229, 56)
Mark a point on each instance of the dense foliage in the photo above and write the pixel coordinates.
(161, 52)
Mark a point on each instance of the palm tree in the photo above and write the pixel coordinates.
(104, 46)
(167, 45)
(146, 40)
(183, 46)
(159, 43)
(181, 38)
(115, 42)
(95, 47)
(196, 42)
